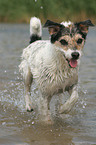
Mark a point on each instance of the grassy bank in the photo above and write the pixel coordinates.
(19, 11)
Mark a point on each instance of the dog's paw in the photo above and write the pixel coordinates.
(46, 119)
(29, 108)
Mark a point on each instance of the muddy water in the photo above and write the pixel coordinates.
(17, 127)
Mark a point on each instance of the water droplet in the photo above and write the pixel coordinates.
(15, 72)
(24, 121)
(29, 120)
(83, 107)
(41, 7)
(32, 122)
(3, 123)
(59, 134)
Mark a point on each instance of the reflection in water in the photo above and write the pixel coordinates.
(17, 127)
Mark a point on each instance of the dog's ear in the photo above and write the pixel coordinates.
(84, 25)
(52, 27)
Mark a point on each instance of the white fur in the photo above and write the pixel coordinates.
(69, 52)
(44, 60)
(51, 73)
(46, 63)
(66, 24)
(35, 26)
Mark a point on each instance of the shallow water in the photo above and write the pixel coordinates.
(17, 127)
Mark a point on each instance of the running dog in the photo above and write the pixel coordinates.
(53, 64)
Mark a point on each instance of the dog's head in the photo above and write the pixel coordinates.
(69, 39)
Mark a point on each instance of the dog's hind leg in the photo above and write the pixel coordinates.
(28, 81)
(65, 108)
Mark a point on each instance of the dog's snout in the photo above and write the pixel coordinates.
(75, 55)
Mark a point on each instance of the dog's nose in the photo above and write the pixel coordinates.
(75, 55)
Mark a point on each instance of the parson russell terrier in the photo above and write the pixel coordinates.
(53, 64)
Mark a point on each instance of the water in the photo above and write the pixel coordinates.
(17, 127)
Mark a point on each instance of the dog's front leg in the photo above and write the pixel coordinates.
(65, 108)
(44, 108)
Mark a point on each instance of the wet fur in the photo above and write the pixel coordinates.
(47, 63)
(35, 29)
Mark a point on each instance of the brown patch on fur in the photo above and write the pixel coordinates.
(53, 30)
(83, 28)
(72, 42)
(76, 45)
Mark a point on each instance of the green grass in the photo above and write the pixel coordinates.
(18, 11)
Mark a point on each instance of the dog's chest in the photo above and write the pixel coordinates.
(55, 74)
(50, 69)
(58, 79)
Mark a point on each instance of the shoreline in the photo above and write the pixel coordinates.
(26, 20)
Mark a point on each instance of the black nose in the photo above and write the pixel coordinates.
(75, 55)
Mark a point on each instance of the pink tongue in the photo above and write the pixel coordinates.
(73, 63)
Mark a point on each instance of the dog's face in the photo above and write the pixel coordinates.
(69, 39)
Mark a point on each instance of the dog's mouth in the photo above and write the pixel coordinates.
(72, 62)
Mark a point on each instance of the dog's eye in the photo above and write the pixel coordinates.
(63, 42)
(79, 41)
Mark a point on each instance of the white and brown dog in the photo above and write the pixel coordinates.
(53, 64)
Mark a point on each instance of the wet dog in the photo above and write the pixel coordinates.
(53, 64)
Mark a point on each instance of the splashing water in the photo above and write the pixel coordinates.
(77, 127)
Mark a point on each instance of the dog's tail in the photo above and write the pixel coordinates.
(35, 29)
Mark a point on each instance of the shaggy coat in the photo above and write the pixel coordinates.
(53, 64)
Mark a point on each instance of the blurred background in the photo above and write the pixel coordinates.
(18, 127)
(20, 11)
